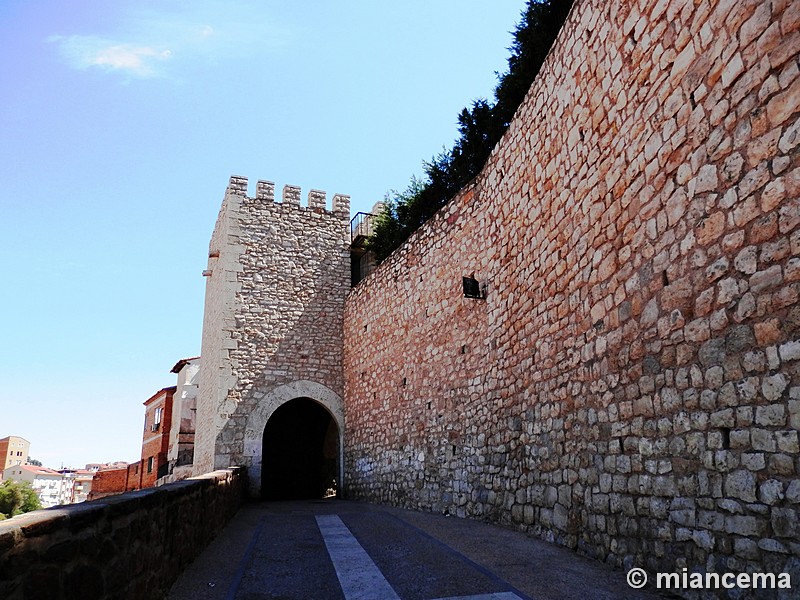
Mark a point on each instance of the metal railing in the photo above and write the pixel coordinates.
(361, 227)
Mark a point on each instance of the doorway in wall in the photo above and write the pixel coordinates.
(300, 452)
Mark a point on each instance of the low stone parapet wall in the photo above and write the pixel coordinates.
(130, 546)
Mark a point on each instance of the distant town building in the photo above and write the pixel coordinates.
(82, 486)
(97, 466)
(13, 451)
(78, 482)
(51, 486)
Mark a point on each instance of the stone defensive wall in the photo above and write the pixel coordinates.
(629, 385)
(130, 546)
(278, 273)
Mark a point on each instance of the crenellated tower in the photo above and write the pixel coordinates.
(277, 277)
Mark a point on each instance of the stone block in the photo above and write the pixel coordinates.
(686, 517)
(782, 105)
(768, 278)
(772, 545)
(789, 216)
(746, 548)
(770, 492)
(747, 388)
(739, 338)
(742, 485)
(774, 386)
(712, 352)
(790, 138)
(763, 440)
(712, 520)
(787, 442)
(794, 414)
(722, 418)
(746, 260)
(772, 415)
(781, 465)
(754, 461)
(745, 526)
(706, 180)
(560, 517)
(740, 438)
(755, 361)
(732, 70)
(785, 522)
(789, 351)
(710, 228)
(793, 491)
(703, 539)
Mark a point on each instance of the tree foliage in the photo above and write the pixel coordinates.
(480, 127)
(17, 497)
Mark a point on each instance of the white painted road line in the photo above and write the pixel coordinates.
(493, 596)
(358, 575)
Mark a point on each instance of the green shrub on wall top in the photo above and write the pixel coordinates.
(480, 128)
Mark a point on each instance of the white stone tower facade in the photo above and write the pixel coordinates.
(277, 278)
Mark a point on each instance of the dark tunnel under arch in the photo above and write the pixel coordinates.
(300, 452)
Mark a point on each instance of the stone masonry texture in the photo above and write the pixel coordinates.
(126, 547)
(630, 385)
(278, 275)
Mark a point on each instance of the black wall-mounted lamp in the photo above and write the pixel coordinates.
(472, 288)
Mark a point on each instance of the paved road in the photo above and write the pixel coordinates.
(340, 550)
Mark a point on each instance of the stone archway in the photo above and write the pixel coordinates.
(268, 403)
(300, 451)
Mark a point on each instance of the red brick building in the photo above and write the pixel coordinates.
(155, 440)
(108, 481)
(117, 479)
(134, 481)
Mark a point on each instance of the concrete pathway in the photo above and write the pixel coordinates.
(342, 550)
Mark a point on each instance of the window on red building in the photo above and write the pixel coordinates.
(157, 418)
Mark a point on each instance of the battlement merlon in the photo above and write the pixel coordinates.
(237, 185)
(265, 190)
(291, 195)
(316, 200)
(341, 205)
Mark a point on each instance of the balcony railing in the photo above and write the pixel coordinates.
(361, 228)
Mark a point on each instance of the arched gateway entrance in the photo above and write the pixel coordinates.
(300, 451)
(293, 442)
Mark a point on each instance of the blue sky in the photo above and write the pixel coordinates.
(120, 124)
